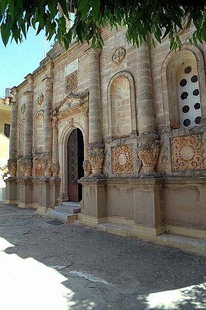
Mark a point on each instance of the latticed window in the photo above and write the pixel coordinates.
(188, 95)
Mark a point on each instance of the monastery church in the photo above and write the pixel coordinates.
(121, 132)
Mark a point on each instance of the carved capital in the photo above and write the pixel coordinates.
(96, 158)
(12, 167)
(28, 164)
(87, 168)
(148, 151)
(47, 163)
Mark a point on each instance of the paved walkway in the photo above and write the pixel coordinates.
(68, 266)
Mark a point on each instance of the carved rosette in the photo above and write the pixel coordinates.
(87, 168)
(188, 153)
(12, 167)
(122, 159)
(148, 152)
(96, 158)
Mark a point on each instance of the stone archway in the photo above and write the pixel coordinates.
(75, 158)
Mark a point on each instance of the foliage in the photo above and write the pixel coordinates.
(143, 19)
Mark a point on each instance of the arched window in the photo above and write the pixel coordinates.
(184, 83)
(188, 93)
(121, 105)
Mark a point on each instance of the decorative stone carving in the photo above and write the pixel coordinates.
(71, 83)
(12, 168)
(163, 164)
(71, 123)
(40, 99)
(23, 108)
(87, 168)
(55, 169)
(122, 159)
(38, 167)
(28, 166)
(148, 151)
(43, 165)
(96, 158)
(188, 153)
(118, 55)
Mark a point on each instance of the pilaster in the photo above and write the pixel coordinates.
(148, 148)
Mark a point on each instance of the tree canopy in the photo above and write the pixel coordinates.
(142, 19)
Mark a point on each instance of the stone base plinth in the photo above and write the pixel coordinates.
(94, 197)
(11, 190)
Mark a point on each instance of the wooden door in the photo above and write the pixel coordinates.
(75, 151)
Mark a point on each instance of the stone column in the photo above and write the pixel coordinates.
(47, 125)
(28, 132)
(11, 182)
(13, 135)
(55, 146)
(148, 148)
(47, 114)
(96, 147)
(86, 163)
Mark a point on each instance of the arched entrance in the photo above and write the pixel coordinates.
(75, 158)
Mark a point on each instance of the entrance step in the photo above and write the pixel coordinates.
(67, 212)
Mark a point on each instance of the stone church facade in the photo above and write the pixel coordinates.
(121, 130)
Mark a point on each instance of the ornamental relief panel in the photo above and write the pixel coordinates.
(118, 55)
(71, 83)
(122, 159)
(188, 153)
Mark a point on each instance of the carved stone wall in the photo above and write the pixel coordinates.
(122, 159)
(188, 153)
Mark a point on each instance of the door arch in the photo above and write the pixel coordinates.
(75, 158)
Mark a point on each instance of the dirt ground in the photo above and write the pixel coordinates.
(70, 266)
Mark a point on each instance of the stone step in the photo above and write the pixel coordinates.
(62, 216)
(71, 203)
(68, 209)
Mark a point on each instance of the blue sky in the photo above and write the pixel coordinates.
(17, 60)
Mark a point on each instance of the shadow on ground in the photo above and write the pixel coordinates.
(75, 267)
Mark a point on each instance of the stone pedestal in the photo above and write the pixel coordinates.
(44, 198)
(25, 193)
(148, 207)
(55, 191)
(94, 200)
(11, 190)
